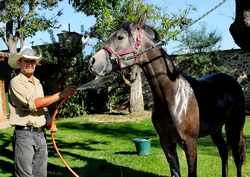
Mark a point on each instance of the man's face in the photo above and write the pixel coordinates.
(27, 66)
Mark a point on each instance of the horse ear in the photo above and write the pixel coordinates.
(152, 33)
(142, 20)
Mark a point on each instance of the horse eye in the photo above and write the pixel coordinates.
(120, 37)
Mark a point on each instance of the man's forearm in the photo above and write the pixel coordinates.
(47, 100)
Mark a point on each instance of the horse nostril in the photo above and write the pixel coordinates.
(92, 61)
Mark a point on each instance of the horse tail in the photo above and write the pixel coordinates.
(235, 125)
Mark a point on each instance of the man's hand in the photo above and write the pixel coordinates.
(52, 126)
(68, 92)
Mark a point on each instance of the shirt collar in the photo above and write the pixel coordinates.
(25, 79)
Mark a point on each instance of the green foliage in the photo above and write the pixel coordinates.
(203, 61)
(93, 7)
(118, 97)
(22, 18)
(74, 106)
(199, 40)
(200, 64)
(111, 14)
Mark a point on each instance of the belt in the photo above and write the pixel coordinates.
(29, 128)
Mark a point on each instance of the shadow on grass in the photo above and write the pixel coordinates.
(86, 145)
(206, 142)
(127, 130)
(93, 168)
(97, 168)
(6, 167)
(126, 153)
(124, 130)
(6, 154)
(117, 113)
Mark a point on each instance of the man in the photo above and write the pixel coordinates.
(28, 115)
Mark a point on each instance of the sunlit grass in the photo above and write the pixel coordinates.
(96, 147)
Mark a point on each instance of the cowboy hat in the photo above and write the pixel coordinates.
(26, 52)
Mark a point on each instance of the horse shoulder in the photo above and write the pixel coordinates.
(185, 109)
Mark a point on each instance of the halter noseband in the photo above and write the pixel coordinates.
(132, 50)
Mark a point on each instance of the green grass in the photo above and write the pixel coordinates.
(105, 149)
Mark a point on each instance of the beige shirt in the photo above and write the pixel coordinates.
(22, 94)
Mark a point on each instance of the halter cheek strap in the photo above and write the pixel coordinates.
(127, 51)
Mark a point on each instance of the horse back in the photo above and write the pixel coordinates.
(220, 99)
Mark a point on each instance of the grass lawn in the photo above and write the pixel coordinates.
(101, 146)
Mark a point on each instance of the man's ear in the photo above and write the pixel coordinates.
(18, 61)
(39, 63)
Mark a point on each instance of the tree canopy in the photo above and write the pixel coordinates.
(23, 18)
(199, 40)
(111, 14)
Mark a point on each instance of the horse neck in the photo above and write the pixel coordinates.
(161, 75)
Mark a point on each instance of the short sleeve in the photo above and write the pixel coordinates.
(21, 96)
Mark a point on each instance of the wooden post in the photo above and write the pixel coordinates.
(3, 107)
(3, 100)
(3, 104)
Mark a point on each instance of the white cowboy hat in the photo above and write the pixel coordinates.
(26, 52)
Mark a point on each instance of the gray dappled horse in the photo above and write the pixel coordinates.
(184, 108)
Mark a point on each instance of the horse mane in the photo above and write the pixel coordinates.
(172, 71)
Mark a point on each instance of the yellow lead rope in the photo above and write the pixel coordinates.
(53, 137)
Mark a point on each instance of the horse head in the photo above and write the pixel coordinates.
(125, 47)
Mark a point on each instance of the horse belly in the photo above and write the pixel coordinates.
(215, 113)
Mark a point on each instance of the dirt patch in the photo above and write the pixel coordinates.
(118, 117)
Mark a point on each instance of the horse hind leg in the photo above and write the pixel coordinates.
(239, 154)
(238, 144)
(223, 151)
(234, 129)
(190, 149)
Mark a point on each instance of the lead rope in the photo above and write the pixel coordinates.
(53, 137)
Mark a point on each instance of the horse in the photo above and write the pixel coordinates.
(184, 108)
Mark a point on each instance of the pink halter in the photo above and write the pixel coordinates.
(127, 51)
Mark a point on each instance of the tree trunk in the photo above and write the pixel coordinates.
(240, 28)
(136, 96)
(3, 108)
(11, 42)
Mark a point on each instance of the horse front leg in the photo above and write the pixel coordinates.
(190, 148)
(169, 149)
